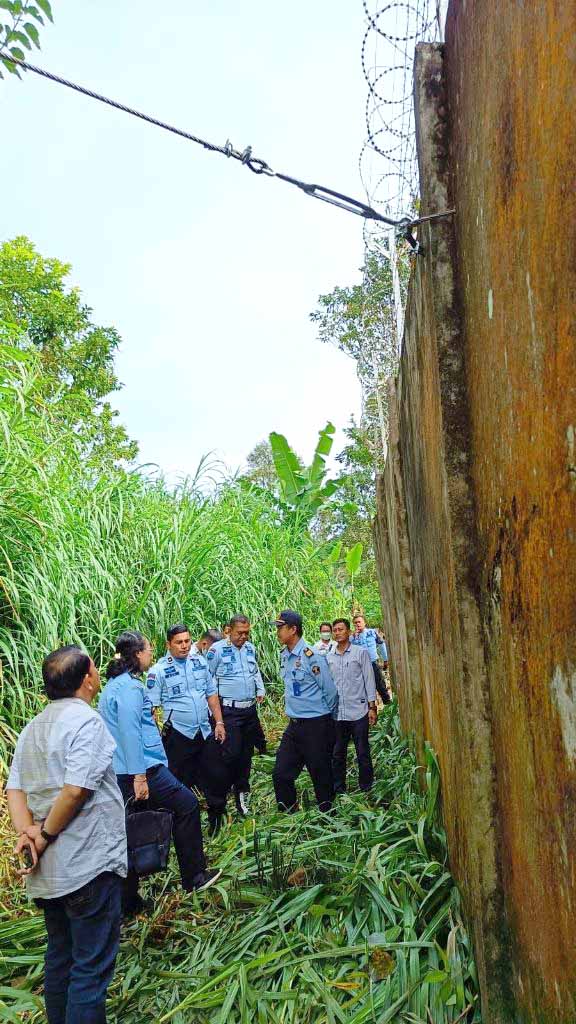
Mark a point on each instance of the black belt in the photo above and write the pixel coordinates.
(311, 718)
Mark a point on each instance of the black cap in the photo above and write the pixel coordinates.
(288, 618)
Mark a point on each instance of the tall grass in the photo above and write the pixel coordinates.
(82, 557)
(319, 919)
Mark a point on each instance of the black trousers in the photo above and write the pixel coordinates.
(167, 791)
(243, 733)
(199, 762)
(380, 683)
(306, 743)
(357, 732)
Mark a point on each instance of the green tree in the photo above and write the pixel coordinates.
(261, 469)
(19, 22)
(360, 321)
(39, 312)
(346, 520)
(351, 510)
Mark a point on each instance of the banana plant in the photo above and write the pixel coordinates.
(304, 489)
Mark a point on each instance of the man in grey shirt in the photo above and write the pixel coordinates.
(351, 669)
(66, 806)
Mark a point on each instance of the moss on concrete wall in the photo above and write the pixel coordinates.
(476, 529)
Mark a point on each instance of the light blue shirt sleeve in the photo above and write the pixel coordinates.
(130, 740)
(212, 660)
(89, 755)
(211, 688)
(260, 691)
(328, 685)
(383, 651)
(371, 644)
(250, 653)
(154, 681)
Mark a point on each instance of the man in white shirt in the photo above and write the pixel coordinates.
(325, 643)
(66, 806)
(351, 669)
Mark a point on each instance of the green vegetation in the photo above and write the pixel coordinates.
(88, 545)
(360, 321)
(19, 21)
(319, 919)
(84, 556)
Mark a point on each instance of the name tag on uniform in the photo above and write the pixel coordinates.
(296, 688)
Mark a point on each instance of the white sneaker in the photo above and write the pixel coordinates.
(243, 803)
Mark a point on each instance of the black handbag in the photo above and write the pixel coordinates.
(148, 835)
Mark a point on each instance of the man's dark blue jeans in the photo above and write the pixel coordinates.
(83, 935)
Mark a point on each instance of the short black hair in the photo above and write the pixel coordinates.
(236, 620)
(64, 670)
(329, 624)
(212, 634)
(345, 622)
(173, 631)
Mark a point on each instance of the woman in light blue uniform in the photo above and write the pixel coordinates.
(141, 765)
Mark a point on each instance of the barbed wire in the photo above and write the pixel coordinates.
(387, 161)
(389, 170)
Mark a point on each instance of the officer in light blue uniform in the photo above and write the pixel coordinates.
(311, 705)
(367, 638)
(234, 667)
(181, 684)
(141, 764)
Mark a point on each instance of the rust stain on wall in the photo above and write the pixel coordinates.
(477, 508)
(512, 84)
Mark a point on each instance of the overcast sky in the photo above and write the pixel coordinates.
(208, 271)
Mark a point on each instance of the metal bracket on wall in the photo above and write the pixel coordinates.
(413, 242)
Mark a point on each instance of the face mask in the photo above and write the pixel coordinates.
(326, 636)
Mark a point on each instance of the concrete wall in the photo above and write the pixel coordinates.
(476, 528)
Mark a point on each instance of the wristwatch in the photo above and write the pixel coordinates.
(47, 837)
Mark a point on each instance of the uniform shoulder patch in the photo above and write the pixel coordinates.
(308, 652)
(210, 654)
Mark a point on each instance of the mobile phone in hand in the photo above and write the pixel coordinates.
(27, 857)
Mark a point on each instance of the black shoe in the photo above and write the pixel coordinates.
(139, 906)
(205, 879)
(214, 824)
